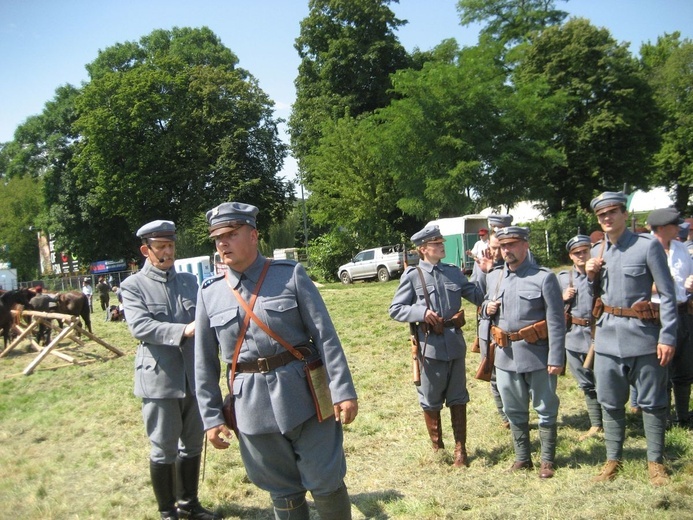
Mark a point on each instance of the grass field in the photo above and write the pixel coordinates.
(72, 443)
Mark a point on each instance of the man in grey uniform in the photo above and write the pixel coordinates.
(286, 449)
(430, 295)
(160, 305)
(664, 224)
(524, 301)
(631, 348)
(578, 300)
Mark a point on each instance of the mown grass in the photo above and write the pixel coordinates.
(72, 444)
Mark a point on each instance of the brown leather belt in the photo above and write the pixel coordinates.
(626, 312)
(579, 321)
(267, 364)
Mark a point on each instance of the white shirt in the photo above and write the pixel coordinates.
(681, 267)
(479, 247)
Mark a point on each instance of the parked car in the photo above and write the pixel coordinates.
(383, 263)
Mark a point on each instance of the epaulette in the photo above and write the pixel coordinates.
(451, 265)
(284, 261)
(409, 269)
(209, 281)
(563, 272)
(496, 267)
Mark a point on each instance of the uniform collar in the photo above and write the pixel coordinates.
(521, 269)
(150, 271)
(427, 266)
(252, 273)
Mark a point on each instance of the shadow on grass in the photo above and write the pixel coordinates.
(371, 504)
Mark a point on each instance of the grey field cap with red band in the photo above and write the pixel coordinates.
(426, 235)
(229, 216)
(578, 241)
(158, 230)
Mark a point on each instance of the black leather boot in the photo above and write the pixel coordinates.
(163, 482)
(188, 477)
(335, 506)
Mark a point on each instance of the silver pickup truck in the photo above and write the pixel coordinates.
(382, 263)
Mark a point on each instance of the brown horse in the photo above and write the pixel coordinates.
(73, 303)
(8, 300)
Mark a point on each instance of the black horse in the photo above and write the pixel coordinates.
(8, 300)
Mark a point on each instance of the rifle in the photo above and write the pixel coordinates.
(589, 358)
(416, 367)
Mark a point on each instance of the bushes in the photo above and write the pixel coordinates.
(553, 234)
(327, 252)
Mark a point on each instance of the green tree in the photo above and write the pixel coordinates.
(165, 128)
(510, 21)
(606, 132)
(669, 66)
(348, 50)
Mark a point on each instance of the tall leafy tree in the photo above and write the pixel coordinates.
(348, 50)
(669, 68)
(606, 131)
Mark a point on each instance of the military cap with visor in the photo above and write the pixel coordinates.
(608, 200)
(512, 234)
(229, 216)
(427, 234)
(158, 230)
(664, 217)
(578, 241)
(499, 221)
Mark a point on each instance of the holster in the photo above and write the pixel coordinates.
(646, 311)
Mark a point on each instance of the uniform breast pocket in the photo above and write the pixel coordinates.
(157, 309)
(280, 309)
(636, 279)
(430, 289)
(453, 289)
(531, 304)
(224, 319)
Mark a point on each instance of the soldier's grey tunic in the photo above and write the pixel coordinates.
(577, 338)
(443, 376)
(527, 295)
(276, 407)
(159, 304)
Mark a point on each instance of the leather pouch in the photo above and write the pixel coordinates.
(646, 311)
(229, 412)
(598, 308)
(458, 320)
(316, 375)
(499, 338)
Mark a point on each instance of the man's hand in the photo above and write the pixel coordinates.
(485, 262)
(554, 370)
(189, 331)
(214, 435)
(492, 307)
(346, 411)
(569, 293)
(432, 318)
(665, 353)
(688, 284)
(592, 267)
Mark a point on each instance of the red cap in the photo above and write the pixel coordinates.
(483, 231)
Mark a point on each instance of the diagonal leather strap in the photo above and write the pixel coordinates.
(246, 319)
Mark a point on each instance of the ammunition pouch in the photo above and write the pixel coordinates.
(457, 321)
(597, 308)
(646, 311)
(568, 320)
(531, 334)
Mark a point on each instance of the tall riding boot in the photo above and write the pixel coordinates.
(523, 458)
(594, 412)
(188, 477)
(335, 506)
(547, 436)
(435, 429)
(294, 508)
(163, 481)
(682, 399)
(458, 415)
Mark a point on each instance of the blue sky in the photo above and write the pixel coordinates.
(47, 43)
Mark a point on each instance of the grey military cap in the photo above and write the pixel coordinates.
(664, 217)
(229, 216)
(499, 221)
(426, 235)
(578, 241)
(158, 230)
(512, 233)
(608, 200)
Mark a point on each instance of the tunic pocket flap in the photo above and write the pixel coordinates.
(222, 318)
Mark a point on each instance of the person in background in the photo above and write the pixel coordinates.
(104, 291)
(430, 295)
(480, 245)
(523, 300)
(160, 304)
(578, 302)
(664, 224)
(286, 448)
(88, 291)
(632, 345)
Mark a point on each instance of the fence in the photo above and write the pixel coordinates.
(74, 282)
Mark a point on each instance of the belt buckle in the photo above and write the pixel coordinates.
(263, 365)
